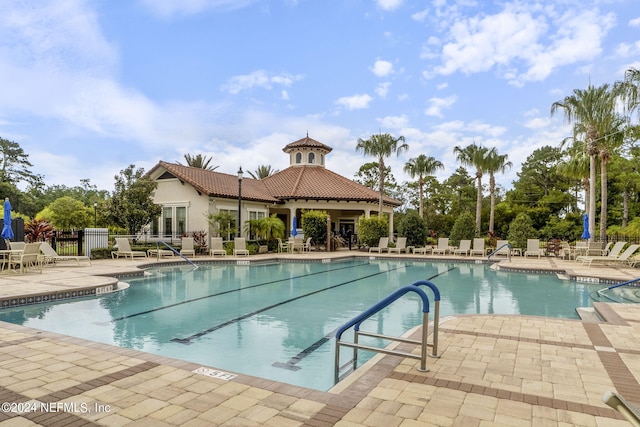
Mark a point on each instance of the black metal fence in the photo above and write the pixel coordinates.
(68, 242)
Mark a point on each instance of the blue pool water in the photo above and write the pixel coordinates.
(270, 320)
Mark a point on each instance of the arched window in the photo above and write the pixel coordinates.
(298, 157)
(312, 158)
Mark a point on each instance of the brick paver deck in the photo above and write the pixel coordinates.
(492, 370)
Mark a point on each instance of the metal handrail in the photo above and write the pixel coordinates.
(618, 285)
(356, 322)
(174, 251)
(498, 249)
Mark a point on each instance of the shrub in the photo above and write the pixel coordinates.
(463, 229)
(521, 229)
(413, 228)
(314, 225)
(371, 229)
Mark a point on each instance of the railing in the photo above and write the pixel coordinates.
(508, 245)
(356, 322)
(172, 250)
(600, 293)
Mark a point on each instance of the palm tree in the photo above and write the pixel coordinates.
(576, 166)
(199, 161)
(495, 163)
(422, 166)
(381, 146)
(262, 172)
(593, 115)
(476, 156)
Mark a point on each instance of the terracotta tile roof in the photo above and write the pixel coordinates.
(306, 142)
(314, 182)
(295, 182)
(216, 184)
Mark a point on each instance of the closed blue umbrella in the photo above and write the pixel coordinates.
(585, 224)
(7, 231)
(294, 229)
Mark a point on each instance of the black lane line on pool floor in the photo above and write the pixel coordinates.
(225, 292)
(187, 340)
(291, 363)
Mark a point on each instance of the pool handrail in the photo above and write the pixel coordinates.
(357, 321)
(497, 249)
(174, 251)
(617, 285)
(436, 312)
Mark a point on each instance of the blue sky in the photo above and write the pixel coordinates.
(88, 87)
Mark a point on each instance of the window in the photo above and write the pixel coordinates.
(312, 158)
(167, 217)
(173, 222)
(181, 220)
(298, 157)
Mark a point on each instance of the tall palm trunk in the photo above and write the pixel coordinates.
(492, 193)
(604, 157)
(592, 149)
(420, 185)
(479, 204)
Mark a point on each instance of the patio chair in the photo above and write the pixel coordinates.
(625, 256)
(217, 247)
(306, 246)
(240, 246)
(16, 246)
(50, 256)
(401, 246)
(124, 250)
(283, 246)
(383, 245)
(29, 258)
(443, 246)
(533, 248)
(188, 247)
(465, 247)
(478, 247)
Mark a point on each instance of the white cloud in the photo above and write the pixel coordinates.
(436, 105)
(389, 4)
(420, 16)
(382, 89)
(634, 22)
(169, 8)
(259, 79)
(394, 122)
(382, 68)
(355, 102)
(522, 44)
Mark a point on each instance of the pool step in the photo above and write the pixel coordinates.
(589, 315)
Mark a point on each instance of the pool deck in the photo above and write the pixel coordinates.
(493, 369)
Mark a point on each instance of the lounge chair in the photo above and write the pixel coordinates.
(52, 257)
(383, 245)
(502, 248)
(465, 247)
(30, 257)
(580, 249)
(623, 258)
(240, 246)
(613, 253)
(217, 247)
(443, 246)
(124, 250)
(401, 246)
(188, 248)
(533, 248)
(478, 247)
(423, 250)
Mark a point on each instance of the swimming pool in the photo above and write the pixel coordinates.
(277, 320)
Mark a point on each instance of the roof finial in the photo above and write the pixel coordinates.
(307, 133)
